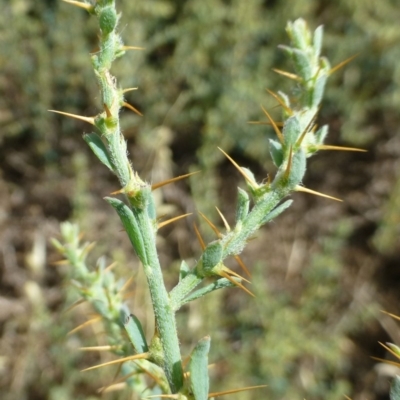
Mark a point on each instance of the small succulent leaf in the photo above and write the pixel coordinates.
(243, 204)
(318, 91)
(183, 270)
(298, 169)
(291, 130)
(130, 225)
(276, 151)
(135, 333)
(57, 245)
(276, 211)
(151, 208)
(218, 284)
(198, 368)
(395, 389)
(395, 349)
(299, 34)
(302, 64)
(317, 40)
(249, 174)
(108, 19)
(99, 149)
(321, 133)
(288, 50)
(212, 255)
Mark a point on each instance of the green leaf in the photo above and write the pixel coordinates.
(321, 133)
(218, 284)
(318, 90)
(299, 34)
(302, 64)
(298, 169)
(198, 368)
(242, 207)
(212, 255)
(291, 130)
(317, 40)
(183, 270)
(131, 226)
(275, 149)
(135, 333)
(276, 211)
(99, 149)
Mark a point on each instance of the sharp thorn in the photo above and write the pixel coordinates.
(227, 227)
(396, 364)
(168, 181)
(305, 190)
(217, 394)
(124, 48)
(113, 387)
(87, 249)
(90, 120)
(287, 74)
(389, 350)
(74, 305)
(126, 285)
(128, 295)
(118, 191)
(391, 315)
(340, 148)
(342, 64)
(229, 271)
(127, 105)
(165, 223)
(99, 348)
(129, 89)
(122, 379)
(276, 129)
(107, 110)
(85, 6)
(289, 164)
(279, 100)
(242, 265)
(248, 179)
(81, 236)
(307, 128)
(87, 323)
(156, 378)
(279, 124)
(236, 283)
(61, 262)
(199, 238)
(212, 226)
(142, 356)
(110, 267)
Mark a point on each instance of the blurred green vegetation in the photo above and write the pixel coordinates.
(201, 78)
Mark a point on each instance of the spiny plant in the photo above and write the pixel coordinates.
(298, 138)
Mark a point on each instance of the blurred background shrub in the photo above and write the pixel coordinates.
(320, 273)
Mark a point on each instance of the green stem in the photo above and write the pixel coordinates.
(139, 227)
(163, 311)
